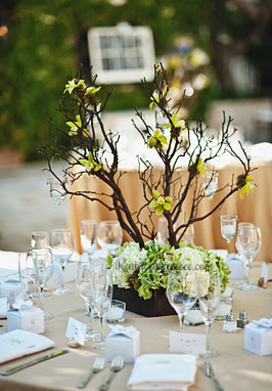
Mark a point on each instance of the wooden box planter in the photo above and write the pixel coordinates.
(158, 305)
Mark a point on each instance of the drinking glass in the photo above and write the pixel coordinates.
(88, 236)
(39, 240)
(228, 226)
(210, 183)
(27, 273)
(209, 293)
(62, 244)
(248, 244)
(181, 292)
(84, 287)
(44, 265)
(57, 192)
(109, 236)
(102, 295)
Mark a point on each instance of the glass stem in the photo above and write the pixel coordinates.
(246, 270)
(62, 276)
(208, 336)
(101, 317)
(40, 289)
(181, 322)
(91, 319)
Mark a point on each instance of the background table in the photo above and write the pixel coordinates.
(255, 208)
(236, 368)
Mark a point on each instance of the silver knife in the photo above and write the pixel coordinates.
(33, 362)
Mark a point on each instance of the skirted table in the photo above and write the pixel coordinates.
(255, 208)
(236, 368)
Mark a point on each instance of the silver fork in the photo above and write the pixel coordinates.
(97, 367)
(116, 365)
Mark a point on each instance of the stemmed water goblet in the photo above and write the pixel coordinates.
(62, 244)
(84, 287)
(88, 236)
(102, 289)
(44, 265)
(248, 244)
(109, 236)
(209, 294)
(181, 292)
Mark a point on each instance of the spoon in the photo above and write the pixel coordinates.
(207, 367)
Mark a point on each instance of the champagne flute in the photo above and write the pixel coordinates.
(181, 292)
(88, 236)
(62, 244)
(84, 287)
(209, 294)
(44, 267)
(102, 290)
(109, 236)
(248, 244)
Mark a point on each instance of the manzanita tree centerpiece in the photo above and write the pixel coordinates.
(93, 150)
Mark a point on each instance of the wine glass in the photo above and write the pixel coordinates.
(62, 244)
(102, 290)
(228, 226)
(57, 192)
(109, 236)
(181, 292)
(248, 244)
(84, 287)
(44, 265)
(88, 236)
(27, 273)
(210, 183)
(39, 240)
(209, 294)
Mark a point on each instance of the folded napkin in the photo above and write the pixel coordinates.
(163, 372)
(19, 343)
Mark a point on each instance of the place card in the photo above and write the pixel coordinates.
(76, 330)
(187, 343)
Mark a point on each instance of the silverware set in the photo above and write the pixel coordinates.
(116, 365)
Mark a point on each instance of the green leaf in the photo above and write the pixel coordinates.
(169, 199)
(153, 204)
(155, 194)
(159, 210)
(167, 206)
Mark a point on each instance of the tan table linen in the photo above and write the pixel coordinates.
(255, 208)
(236, 368)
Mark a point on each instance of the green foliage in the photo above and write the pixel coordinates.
(47, 40)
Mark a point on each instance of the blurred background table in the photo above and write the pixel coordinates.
(255, 208)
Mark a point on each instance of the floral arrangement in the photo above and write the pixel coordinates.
(146, 269)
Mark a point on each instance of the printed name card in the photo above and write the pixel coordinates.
(187, 343)
(76, 330)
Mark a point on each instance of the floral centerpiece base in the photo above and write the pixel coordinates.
(157, 305)
(140, 274)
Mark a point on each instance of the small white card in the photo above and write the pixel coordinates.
(77, 330)
(187, 343)
(265, 272)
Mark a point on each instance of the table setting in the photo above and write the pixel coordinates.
(149, 309)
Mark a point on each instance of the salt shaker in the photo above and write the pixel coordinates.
(242, 321)
(229, 325)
